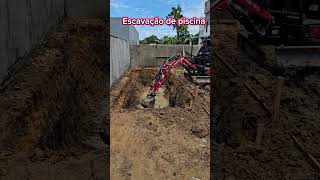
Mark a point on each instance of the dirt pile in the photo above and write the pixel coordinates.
(237, 115)
(177, 94)
(54, 109)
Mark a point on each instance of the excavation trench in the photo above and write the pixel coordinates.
(171, 94)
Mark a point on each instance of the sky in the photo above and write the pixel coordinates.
(161, 8)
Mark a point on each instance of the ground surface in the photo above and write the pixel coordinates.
(53, 108)
(237, 114)
(162, 143)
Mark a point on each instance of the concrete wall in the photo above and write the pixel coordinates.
(86, 8)
(22, 25)
(155, 55)
(119, 58)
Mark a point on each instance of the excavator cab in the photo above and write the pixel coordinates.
(202, 60)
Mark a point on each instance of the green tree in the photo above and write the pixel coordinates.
(151, 40)
(183, 35)
(169, 40)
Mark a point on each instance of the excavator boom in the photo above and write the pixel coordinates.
(247, 5)
(169, 64)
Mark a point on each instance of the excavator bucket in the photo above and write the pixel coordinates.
(148, 102)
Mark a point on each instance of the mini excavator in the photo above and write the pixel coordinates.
(287, 22)
(291, 26)
(281, 35)
(197, 70)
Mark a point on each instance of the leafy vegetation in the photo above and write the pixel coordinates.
(182, 34)
(151, 40)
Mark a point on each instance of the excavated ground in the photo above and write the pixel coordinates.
(53, 107)
(237, 114)
(170, 142)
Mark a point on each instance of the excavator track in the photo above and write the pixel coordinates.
(198, 80)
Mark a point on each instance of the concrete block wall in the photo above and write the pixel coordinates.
(124, 56)
(22, 25)
(154, 55)
(119, 58)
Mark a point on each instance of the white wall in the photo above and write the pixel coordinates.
(119, 58)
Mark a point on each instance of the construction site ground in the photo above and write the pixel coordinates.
(53, 107)
(170, 141)
(237, 116)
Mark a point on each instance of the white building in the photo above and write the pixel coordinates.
(128, 33)
(205, 30)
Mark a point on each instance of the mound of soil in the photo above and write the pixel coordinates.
(53, 111)
(237, 114)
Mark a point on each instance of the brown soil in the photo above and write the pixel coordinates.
(166, 143)
(53, 109)
(237, 114)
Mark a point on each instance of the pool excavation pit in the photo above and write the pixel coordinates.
(135, 86)
(171, 139)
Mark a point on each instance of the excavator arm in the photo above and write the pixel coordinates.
(254, 17)
(246, 5)
(169, 64)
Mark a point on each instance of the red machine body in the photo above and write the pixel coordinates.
(169, 64)
(247, 5)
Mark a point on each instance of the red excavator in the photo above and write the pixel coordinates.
(287, 22)
(291, 26)
(283, 36)
(197, 70)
